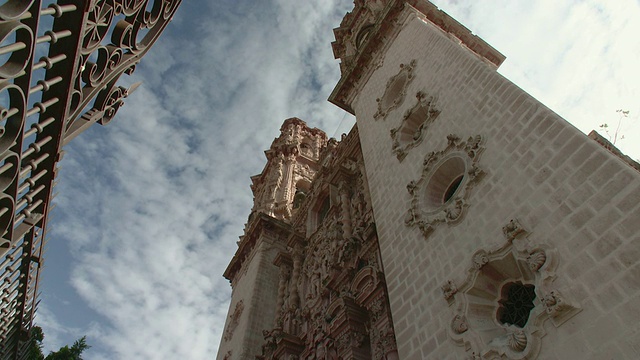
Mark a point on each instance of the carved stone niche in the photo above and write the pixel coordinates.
(500, 308)
(441, 193)
(348, 326)
(288, 347)
(395, 90)
(365, 285)
(414, 124)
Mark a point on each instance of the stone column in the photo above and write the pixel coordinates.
(295, 277)
(287, 186)
(345, 217)
(282, 287)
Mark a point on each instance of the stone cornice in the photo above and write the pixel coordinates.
(260, 225)
(357, 67)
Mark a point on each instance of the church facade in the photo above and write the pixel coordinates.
(459, 219)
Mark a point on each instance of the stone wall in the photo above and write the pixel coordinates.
(574, 199)
(253, 300)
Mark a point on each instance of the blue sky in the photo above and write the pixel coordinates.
(150, 207)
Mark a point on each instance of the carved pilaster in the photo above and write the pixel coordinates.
(294, 296)
(287, 188)
(285, 273)
(345, 217)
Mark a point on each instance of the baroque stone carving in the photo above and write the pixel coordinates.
(512, 230)
(490, 277)
(517, 340)
(414, 124)
(480, 259)
(234, 320)
(440, 195)
(449, 289)
(385, 344)
(395, 90)
(558, 308)
(459, 324)
(292, 163)
(536, 259)
(331, 294)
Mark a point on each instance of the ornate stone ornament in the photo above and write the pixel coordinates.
(395, 90)
(235, 319)
(500, 308)
(512, 229)
(440, 195)
(331, 300)
(414, 124)
(558, 308)
(449, 289)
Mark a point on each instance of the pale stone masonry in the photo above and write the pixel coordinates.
(503, 231)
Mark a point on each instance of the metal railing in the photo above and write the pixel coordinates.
(59, 67)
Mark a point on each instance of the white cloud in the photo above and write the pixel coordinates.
(578, 58)
(56, 329)
(151, 205)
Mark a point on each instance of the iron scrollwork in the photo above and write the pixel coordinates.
(134, 26)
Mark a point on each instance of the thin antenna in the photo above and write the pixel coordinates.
(335, 134)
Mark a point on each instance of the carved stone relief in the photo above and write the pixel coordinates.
(414, 124)
(440, 195)
(352, 41)
(332, 300)
(479, 302)
(395, 90)
(292, 162)
(234, 320)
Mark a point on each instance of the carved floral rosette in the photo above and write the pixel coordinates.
(395, 90)
(414, 123)
(476, 304)
(428, 206)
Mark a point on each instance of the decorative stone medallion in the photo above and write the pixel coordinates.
(440, 195)
(235, 319)
(414, 124)
(395, 90)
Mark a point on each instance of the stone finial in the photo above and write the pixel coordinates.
(513, 229)
(558, 308)
(449, 289)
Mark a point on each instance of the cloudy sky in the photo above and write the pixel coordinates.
(150, 207)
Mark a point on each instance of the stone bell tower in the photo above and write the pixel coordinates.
(292, 161)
